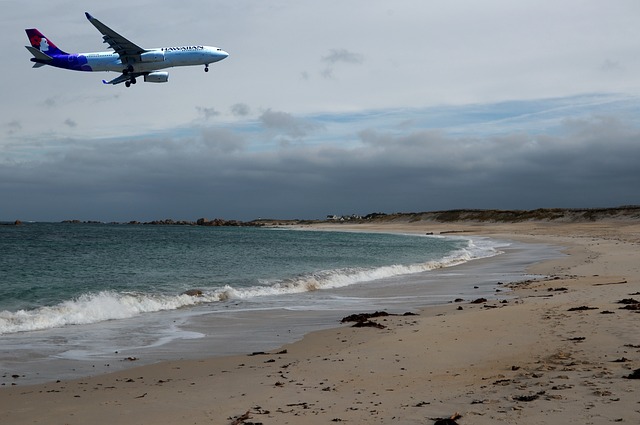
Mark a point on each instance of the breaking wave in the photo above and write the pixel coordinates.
(112, 305)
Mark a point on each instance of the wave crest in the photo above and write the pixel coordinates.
(110, 305)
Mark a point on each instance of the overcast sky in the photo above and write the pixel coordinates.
(325, 107)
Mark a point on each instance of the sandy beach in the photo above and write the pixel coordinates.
(557, 350)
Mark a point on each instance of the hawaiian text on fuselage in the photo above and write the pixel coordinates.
(171, 49)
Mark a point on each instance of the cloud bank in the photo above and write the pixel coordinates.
(588, 161)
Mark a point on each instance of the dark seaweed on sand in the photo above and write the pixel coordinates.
(582, 308)
(527, 397)
(634, 375)
(628, 301)
(362, 317)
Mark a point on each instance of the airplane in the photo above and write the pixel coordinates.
(128, 58)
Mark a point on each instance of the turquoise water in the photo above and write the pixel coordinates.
(57, 275)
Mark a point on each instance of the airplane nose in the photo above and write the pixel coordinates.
(216, 53)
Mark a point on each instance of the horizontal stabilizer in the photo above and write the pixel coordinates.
(38, 65)
(122, 78)
(38, 54)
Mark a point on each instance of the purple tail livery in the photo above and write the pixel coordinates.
(42, 43)
(45, 52)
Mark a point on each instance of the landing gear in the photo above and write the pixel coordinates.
(206, 68)
(131, 81)
(128, 69)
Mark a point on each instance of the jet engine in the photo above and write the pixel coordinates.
(156, 77)
(155, 56)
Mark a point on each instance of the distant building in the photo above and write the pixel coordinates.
(343, 217)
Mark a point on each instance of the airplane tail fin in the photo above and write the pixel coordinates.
(43, 44)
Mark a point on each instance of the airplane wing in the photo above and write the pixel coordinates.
(129, 52)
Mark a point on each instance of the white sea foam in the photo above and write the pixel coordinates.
(110, 305)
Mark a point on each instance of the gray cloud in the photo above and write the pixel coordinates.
(327, 73)
(220, 141)
(342, 56)
(609, 65)
(13, 126)
(240, 109)
(287, 124)
(337, 56)
(70, 123)
(590, 162)
(207, 112)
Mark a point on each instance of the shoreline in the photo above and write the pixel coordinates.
(45, 356)
(529, 361)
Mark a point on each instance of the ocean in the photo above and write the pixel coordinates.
(77, 299)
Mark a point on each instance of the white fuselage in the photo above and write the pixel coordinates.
(155, 59)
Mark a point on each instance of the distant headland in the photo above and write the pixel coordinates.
(564, 215)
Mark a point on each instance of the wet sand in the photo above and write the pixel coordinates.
(555, 350)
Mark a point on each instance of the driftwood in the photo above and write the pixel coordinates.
(610, 283)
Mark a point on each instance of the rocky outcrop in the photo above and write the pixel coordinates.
(15, 223)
